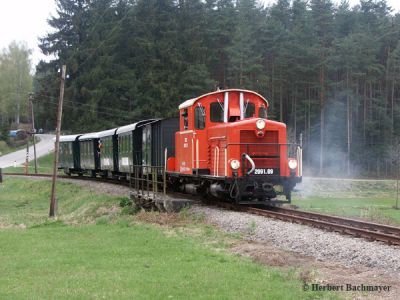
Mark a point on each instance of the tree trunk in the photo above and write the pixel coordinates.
(365, 112)
(280, 101)
(272, 81)
(322, 114)
(348, 124)
(309, 126)
(392, 110)
(295, 115)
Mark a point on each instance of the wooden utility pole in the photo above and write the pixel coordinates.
(52, 212)
(398, 176)
(27, 154)
(33, 130)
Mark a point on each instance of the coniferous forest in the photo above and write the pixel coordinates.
(330, 72)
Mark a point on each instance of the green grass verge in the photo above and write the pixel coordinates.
(27, 202)
(113, 262)
(373, 200)
(5, 148)
(103, 254)
(44, 163)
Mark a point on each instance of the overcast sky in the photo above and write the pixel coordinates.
(25, 20)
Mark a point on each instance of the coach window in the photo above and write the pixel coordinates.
(262, 112)
(217, 112)
(199, 117)
(185, 116)
(249, 110)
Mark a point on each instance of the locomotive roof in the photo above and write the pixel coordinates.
(89, 136)
(108, 132)
(190, 102)
(133, 126)
(69, 138)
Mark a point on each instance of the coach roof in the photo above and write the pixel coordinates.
(89, 136)
(109, 132)
(69, 138)
(132, 127)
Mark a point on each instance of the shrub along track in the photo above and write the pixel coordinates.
(370, 231)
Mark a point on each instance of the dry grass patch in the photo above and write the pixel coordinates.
(162, 219)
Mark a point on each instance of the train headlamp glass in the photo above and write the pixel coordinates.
(292, 164)
(235, 164)
(260, 124)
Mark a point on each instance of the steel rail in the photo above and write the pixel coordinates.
(375, 232)
(387, 229)
(86, 178)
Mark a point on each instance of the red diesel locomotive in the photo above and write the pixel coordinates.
(226, 147)
(222, 145)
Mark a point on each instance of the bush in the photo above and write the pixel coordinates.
(128, 207)
(3, 147)
(125, 202)
(4, 133)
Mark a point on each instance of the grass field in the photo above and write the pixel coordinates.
(94, 251)
(5, 148)
(373, 200)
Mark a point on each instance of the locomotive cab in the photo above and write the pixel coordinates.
(226, 147)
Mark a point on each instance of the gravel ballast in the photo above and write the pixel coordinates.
(322, 245)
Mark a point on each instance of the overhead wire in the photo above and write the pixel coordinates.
(120, 114)
(69, 100)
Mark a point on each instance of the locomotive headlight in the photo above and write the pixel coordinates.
(260, 124)
(235, 164)
(292, 164)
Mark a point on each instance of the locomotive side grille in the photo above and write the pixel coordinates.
(264, 151)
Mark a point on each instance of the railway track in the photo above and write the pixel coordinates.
(87, 178)
(370, 231)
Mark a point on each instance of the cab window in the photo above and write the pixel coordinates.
(249, 110)
(262, 112)
(185, 116)
(217, 112)
(199, 117)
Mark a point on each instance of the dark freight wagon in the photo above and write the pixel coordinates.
(158, 136)
(69, 153)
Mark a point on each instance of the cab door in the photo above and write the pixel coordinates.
(185, 143)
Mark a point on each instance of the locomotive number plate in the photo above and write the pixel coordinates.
(266, 171)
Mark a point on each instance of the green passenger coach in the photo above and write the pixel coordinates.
(69, 153)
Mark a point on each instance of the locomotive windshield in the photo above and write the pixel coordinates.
(249, 110)
(217, 112)
(262, 113)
